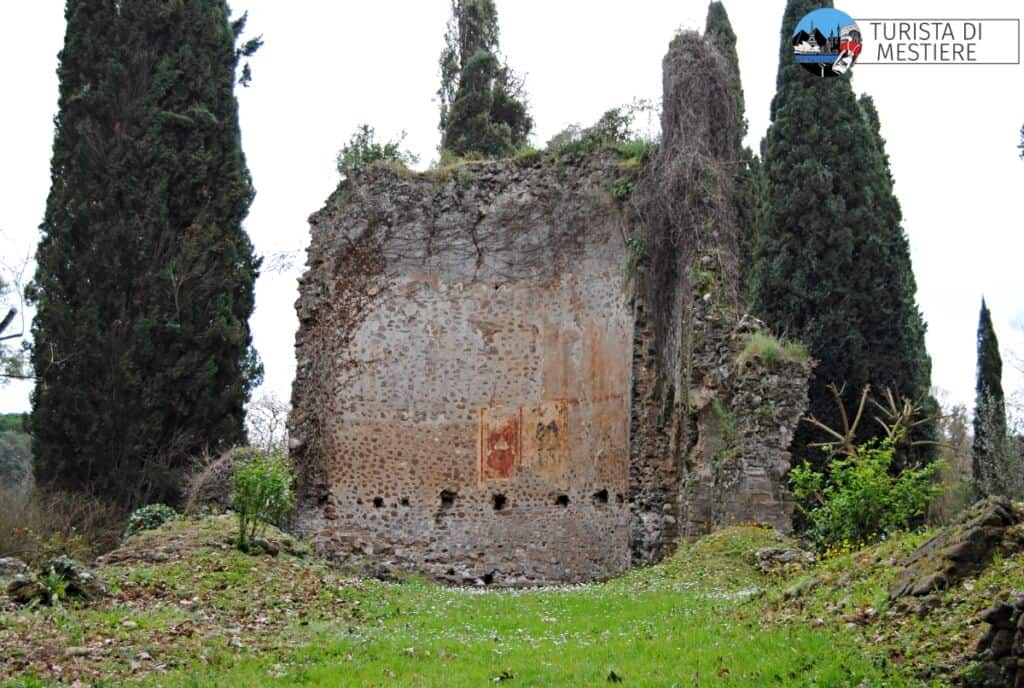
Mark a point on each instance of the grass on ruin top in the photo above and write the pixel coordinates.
(190, 611)
(631, 154)
(771, 351)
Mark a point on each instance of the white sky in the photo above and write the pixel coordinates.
(328, 66)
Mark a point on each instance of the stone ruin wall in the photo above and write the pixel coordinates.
(486, 393)
(479, 395)
(463, 395)
(710, 437)
(717, 453)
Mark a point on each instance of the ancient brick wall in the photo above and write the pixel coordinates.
(709, 436)
(743, 413)
(490, 387)
(462, 403)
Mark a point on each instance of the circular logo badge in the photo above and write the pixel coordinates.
(827, 42)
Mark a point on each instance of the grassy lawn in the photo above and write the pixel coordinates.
(207, 615)
(425, 636)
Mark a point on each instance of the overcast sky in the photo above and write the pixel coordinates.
(328, 66)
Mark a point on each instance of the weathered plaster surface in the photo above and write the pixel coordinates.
(463, 400)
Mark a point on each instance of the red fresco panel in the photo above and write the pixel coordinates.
(499, 443)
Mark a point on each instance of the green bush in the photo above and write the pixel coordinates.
(636, 249)
(149, 517)
(860, 501)
(527, 152)
(263, 493)
(615, 129)
(635, 150)
(55, 587)
(362, 151)
(622, 188)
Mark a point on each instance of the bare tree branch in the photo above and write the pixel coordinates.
(896, 420)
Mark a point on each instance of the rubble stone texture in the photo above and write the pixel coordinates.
(1000, 652)
(80, 583)
(964, 547)
(10, 568)
(480, 395)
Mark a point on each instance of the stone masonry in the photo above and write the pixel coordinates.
(481, 391)
(462, 403)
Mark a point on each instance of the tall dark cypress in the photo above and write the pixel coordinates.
(718, 30)
(483, 107)
(833, 265)
(994, 472)
(145, 276)
(749, 196)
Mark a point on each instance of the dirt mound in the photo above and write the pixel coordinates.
(178, 540)
(177, 595)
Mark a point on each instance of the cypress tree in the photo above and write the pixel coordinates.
(718, 30)
(483, 108)
(749, 201)
(833, 265)
(145, 277)
(994, 472)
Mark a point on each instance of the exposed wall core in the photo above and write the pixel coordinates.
(491, 388)
(458, 415)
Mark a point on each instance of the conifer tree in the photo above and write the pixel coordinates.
(718, 30)
(483, 107)
(994, 472)
(749, 202)
(833, 265)
(144, 284)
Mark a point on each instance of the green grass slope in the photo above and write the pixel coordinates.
(185, 609)
(934, 643)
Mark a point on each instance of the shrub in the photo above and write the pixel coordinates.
(636, 149)
(771, 351)
(41, 526)
(622, 188)
(263, 493)
(860, 501)
(615, 129)
(149, 517)
(55, 587)
(527, 153)
(567, 137)
(362, 151)
(636, 249)
(211, 484)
